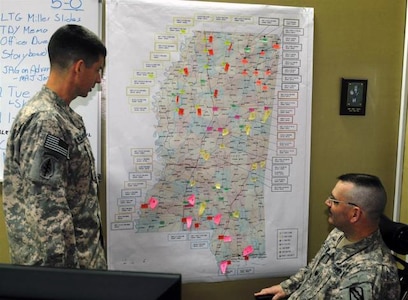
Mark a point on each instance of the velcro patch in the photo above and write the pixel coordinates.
(356, 293)
(55, 144)
(47, 167)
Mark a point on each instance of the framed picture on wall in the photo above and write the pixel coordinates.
(353, 97)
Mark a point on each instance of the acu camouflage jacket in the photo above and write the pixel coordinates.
(363, 270)
(50, 188)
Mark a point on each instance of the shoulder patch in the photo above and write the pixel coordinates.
(56, 144)
(47, 167)
(356, 293)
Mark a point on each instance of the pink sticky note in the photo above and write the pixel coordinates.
(227, 239)
(248, 250)
(191, 199)
(189, 220)
(223, 266)
(153, 202)
(217, 219)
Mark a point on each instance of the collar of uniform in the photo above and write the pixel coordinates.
(349, 250)
(58, 100)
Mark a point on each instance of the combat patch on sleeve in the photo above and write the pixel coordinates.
(47, 167)
(360, 291)
(356, 293)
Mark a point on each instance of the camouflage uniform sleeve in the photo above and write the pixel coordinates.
(293, 283)
(376, 283)
(387, 285)
(44, 159)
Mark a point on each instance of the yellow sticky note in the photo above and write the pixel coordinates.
(266, 115)
(206, 156)
(202, 208)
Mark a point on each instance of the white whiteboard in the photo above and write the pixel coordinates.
(25, 29)
(208, 138)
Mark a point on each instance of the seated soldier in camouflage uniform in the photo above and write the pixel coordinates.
(50, 184)
(354, 262)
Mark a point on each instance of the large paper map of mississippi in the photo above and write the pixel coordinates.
(208, 124)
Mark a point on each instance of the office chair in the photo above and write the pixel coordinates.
(395, 236)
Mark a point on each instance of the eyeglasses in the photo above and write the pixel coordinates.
(334, 200)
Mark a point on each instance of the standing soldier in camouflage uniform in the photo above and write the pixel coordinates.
(50, 184)
(353, 263)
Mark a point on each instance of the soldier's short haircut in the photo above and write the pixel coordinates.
(71, 43)
(368, 193)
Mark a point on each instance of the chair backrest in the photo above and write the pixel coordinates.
(395, 236)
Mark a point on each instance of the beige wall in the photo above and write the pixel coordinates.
(353, 39)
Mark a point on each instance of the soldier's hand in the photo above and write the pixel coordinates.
(275, 290)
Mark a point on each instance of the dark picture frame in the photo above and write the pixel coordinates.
(353, 97)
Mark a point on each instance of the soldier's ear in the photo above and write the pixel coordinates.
(356, 214)
(78, 66)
